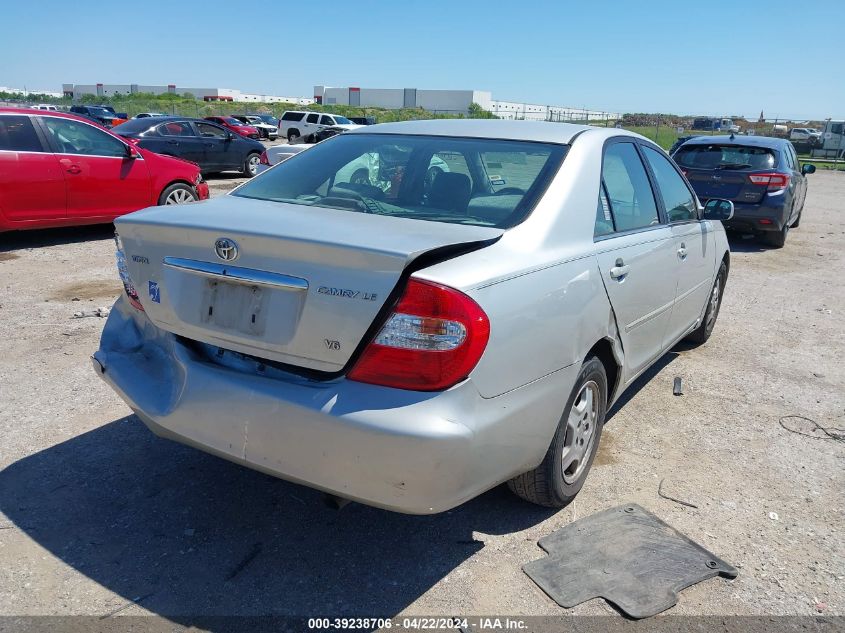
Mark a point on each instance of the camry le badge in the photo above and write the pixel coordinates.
(226, 249)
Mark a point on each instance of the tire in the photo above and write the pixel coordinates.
(557, 480)
(177, 193)
(797, 220)
(292, 134)
(250, 167)
(714, 302)
(777, 239)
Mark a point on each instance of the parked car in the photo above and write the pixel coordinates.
(265, 130)
(45, 106)
(678, 142)
(413, 347)
(147, 115)
(804, 134)
(761, 175)
(231, 123)
(120, 115)
(58, 169)
(98, 114)
(363, 120)
(297, 124)
(715, 125)
(211, 146)
(278, 154)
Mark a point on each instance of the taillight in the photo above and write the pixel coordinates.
(772, 181)
(263, 160)
(123, 271)
(433, 340)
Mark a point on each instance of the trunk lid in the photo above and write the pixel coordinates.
(727, 184)
(303, 289)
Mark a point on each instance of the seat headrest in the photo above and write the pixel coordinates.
(450, 191)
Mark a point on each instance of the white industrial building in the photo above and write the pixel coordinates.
(206, 94)
(25, 93)
(450, 101)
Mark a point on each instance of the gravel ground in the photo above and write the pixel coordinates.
(97, 512)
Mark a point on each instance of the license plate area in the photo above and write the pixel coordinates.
(234, 307)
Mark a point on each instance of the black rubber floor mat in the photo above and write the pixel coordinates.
(625, 555)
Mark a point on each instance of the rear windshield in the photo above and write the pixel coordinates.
(724, 157)
(482, 182)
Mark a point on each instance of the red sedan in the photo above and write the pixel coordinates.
(58, 169)
(236, 126)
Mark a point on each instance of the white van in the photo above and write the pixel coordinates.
(45, 106)
(833, 141)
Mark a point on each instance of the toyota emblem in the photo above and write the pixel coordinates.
(226, 249)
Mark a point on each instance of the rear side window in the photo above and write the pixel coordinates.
(628, 188)
(733, 157)
(17, 134)
(679, 202)
(293, 116)
(175, 128)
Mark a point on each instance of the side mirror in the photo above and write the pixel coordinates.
(131, 153)
(808, 168)
(717, 209)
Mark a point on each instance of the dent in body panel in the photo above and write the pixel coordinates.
(541, 322)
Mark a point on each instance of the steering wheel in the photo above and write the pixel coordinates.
(511, 191)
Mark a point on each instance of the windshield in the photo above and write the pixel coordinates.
(482, 182)
(232, 121)
(724, 157)
(342, 120)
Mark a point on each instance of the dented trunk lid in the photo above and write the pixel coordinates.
(304, 287)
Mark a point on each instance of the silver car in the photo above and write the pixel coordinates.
(411, 340)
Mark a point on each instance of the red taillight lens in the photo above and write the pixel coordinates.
(263, 160)
(434, 338)
(773, 181)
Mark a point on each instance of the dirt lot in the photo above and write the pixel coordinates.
(97, 512)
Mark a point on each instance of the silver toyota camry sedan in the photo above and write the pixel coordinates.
(409, 314)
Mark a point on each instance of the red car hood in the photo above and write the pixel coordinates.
(247, 129)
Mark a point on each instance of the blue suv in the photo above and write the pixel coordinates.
(760, 175)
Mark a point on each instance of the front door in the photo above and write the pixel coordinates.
(636, 256)
(180, 139)
(32, 186)
(102, 180)
(218, 148)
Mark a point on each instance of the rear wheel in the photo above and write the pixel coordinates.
(250, 167)
(714, 302)
(797, 220)
(178, 193)
(292, 134)
(561, 474)
(776, 238)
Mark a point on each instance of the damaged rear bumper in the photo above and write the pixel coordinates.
(405, 451)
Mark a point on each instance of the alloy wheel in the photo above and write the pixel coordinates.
(179, 196)
(581, 428)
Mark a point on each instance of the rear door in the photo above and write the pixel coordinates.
(101, 180)
(180, 139)
(32, 186)
(636, 255)
(693, 241)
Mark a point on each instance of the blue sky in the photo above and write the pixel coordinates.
(710, 56)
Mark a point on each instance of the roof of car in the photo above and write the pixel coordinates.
(752, 141)
(482, 128)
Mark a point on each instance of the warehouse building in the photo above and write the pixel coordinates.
(206, 94)
(451, 102)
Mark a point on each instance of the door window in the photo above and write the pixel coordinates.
(312, 118)
(680, 203)
(175, 128)
(326, 120)
(17, 134)
(211, 131)
(73, 137)
(628, 189)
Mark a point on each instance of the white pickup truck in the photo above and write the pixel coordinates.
(295, 124)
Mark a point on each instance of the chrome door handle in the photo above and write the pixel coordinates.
(682, 252)
(619, 270)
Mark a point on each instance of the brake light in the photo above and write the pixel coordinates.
(263, 160)
(123, 271)
(772, 181)
(433, 340)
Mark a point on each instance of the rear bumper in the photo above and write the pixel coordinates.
(759, 218)
(405, 451)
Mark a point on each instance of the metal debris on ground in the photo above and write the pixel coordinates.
(661, 494)
(828, 433)
(625, 555)
(676, 388)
